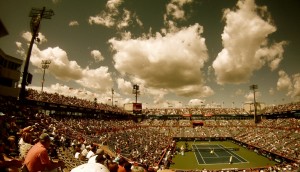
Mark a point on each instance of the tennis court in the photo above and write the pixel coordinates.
(216, 154)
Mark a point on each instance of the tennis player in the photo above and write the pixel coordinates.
(230, 160)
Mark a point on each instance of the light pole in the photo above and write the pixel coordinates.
(136, 91)
(112, 97)
(45, 65)
(36, 16)
(254, 87)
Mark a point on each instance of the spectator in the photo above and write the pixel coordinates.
(91, 151)
(122, 162)
(128, 166)
(88, 167)
(25, 144)
(98, 152)
(7, 163)
(113, 167)
(38, 159)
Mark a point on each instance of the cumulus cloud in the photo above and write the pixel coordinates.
(20, 49)
(96, 54)
(60, 66)
(73, 23)
(284, 82)
(126, 19)
(175, 10)
(250, 96)
(273, 54)
(111, 16)
(289, 84)
(104, 18)
(28, 35)
(295, 92)
(246, 47)
(113, 5)
(64, 69)
(157, 95)
(98, 79)
(159, 63)
(124, 86)
(196, 102)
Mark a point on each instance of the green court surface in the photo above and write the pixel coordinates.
(216, 155)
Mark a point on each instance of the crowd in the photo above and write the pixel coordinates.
(125, 143)
(71, 101)
(281, 108)
(268, 110)
(74, 101)
(195, 111)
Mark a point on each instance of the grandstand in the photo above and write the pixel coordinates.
(147, 139)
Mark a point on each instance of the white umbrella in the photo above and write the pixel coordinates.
(90, 167)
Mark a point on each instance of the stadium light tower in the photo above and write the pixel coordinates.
(254, 87)
(45, 65)
(112, 97)
(36, 16)
(136, 91)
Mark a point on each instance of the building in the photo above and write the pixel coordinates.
(3, 31)
(10, 72)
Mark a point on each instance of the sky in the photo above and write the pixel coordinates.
(181, 53)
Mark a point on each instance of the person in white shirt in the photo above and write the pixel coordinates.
(90, 152)
(92, 159)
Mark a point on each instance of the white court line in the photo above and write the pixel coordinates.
(200, 155)
(233, 154)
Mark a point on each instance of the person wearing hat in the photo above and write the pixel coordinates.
(37, 159)
(96, 166)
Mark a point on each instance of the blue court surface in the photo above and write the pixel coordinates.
(216, 154)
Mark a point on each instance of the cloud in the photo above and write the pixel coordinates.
(124, 86)
(159, 63)
(157, 95)
(96, 54)
(98, 79)
(295, 92)
(73, 23)
(175, 10)
(112, 5)
(56, 1)
(111, 16)
(60, 66)
(28, 36)
(284, 81)
(289, 84)
(271, 91)
(20, 49)
(245, 44)
(273, 55)
(250, 96)
(65, 90)
(125, 19)
(63, 69)
(105, 19)
(196, 102)
(239, 92)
